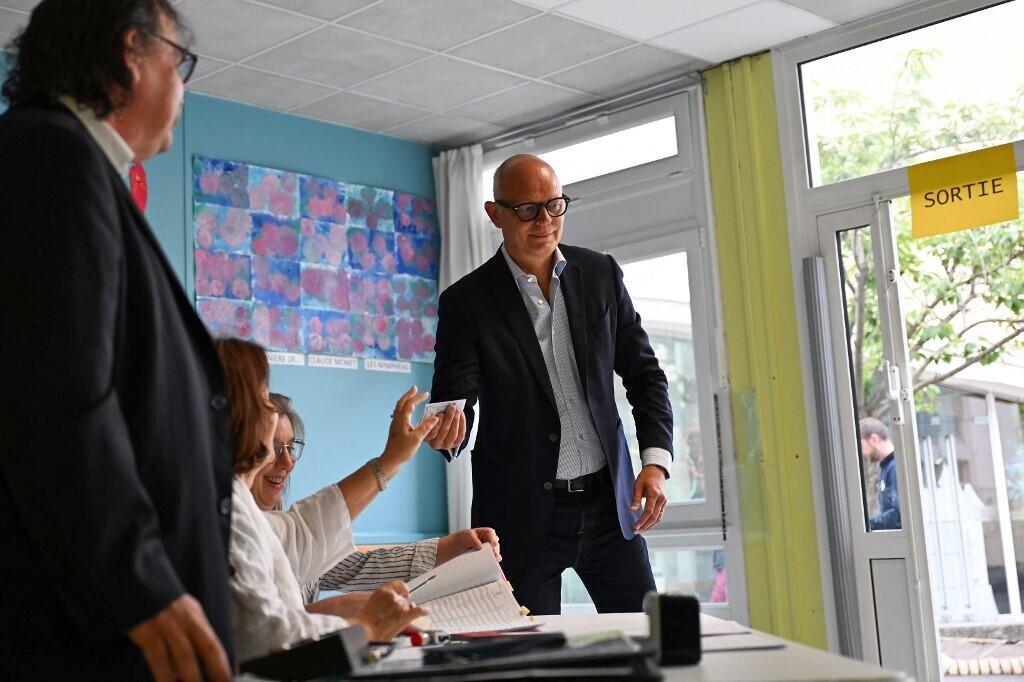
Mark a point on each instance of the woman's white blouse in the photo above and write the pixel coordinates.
(266, 601)
(316, 533)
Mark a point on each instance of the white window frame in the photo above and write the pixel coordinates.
(708, 523)
(806, 205)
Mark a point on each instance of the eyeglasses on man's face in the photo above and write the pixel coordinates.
(529, 210)
(294, 448)
(188, 58)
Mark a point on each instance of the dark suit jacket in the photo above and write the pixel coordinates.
(487, 349)
(115, 477)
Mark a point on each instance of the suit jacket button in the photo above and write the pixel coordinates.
(547, 485)
(553, 437)
(225, 506)
(218, 401)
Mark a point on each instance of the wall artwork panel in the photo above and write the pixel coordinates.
(306, 264)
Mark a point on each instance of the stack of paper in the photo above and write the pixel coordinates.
(469, 594)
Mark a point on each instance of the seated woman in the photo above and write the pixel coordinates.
(266, 601)
(358, 570)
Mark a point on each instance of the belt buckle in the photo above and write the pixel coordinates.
(570, 488)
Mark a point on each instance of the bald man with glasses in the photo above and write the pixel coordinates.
(537, 334)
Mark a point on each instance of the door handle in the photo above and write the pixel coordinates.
(897, 394)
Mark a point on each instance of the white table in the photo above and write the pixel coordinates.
(793, 662)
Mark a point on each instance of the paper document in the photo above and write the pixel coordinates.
(714, 627)
(744, 642)
(469, 594)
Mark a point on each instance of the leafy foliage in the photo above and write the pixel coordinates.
(962, 293)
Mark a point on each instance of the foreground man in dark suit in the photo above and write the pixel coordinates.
(115, 478)
(537, 334)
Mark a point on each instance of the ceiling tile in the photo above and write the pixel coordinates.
(10, 24)
(744, 31)
(363, 112)
(843, 11)
(542, 45)
(657, 16)
(437, 24)
(234, 30)
(438, 83)
(205, 66)
(526, 104)
(259, 88)
(626, 70)
(26, 5)
(445, 130)
(545, 4)
(322, 9)
(337, 56)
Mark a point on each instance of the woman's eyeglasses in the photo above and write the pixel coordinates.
(294, 448)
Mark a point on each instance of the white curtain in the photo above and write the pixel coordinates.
(465, 245)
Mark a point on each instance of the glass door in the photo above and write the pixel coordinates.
(879, 441)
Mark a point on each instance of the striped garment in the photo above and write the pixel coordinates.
(368, 571)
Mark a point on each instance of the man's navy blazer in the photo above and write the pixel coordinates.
(115, 477)
(487, 349)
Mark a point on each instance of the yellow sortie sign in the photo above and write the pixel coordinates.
(970, 190)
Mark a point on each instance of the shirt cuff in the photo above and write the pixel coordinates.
(424, 556)
(659, 456)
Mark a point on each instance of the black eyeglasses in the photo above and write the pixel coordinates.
(294, 448)
(187, 65)
(531, 209)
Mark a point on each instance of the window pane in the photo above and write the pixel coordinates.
(700, 572)
(876, 453)
(617, 151)
(660, 291)
(959, 505)
(1011, 433)
(931, 93)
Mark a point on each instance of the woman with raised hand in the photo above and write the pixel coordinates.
(358, 570)
(268, 613)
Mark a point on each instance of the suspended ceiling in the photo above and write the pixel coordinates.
(447, 72)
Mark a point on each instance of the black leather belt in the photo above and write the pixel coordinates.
(595, 481)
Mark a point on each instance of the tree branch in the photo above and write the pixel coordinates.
(970, 361)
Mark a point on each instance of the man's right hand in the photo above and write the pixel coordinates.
(177, 640)
(450, 431)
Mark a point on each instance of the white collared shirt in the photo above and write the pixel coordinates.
(580, 451)
(113, 145)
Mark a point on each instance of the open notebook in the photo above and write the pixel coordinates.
(469, 594)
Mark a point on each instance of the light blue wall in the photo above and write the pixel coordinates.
(346, 412)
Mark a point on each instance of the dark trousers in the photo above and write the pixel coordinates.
(584, 535)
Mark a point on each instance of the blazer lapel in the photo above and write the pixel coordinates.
(510, 302)
(575, 307)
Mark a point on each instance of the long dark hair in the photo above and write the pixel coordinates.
(76, 48)
(246, 372)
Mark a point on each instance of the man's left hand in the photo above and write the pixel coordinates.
(650, 486)
(451, 546)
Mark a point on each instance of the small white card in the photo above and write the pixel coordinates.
(437, 408)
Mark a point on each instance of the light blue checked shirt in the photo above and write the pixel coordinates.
(579, 450)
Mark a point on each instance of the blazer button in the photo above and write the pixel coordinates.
(553, 437)
(225, 506)
(547, 485)
(218, 402)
